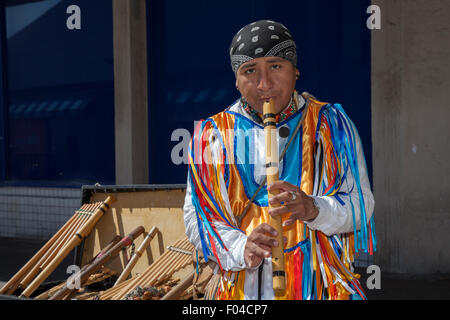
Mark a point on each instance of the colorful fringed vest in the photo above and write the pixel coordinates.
(317, 266)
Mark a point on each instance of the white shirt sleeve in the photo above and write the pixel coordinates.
(234, 240)
(334, 217)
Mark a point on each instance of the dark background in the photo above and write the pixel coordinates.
(57, 86)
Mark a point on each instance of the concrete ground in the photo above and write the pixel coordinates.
(14, 253)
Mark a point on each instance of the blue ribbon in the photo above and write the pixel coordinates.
(307, 274)
(343, 140)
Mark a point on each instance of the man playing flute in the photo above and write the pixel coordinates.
(324, 196)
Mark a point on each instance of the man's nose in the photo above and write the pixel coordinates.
(264, 83)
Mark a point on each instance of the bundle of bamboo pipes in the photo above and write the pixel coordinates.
(134, 259)
(45, 261)
(178, 256)
(83, 275)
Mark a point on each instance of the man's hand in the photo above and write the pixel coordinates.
(301, 208)
(259, 245)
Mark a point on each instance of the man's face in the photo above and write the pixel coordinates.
(260, 79)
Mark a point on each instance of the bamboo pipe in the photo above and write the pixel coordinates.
(98, 263)
(62, 241)
(111, 292)
(12, 284)
(104, 251)
(177, 260)
(178, 290)
(47, 294)
(160, 274)
(50, 254)
(83, 218)
(156, 270)
(134, 259)
(164, 272)
(151, 281)
(144, 275)
(74, 242)
(180, 256)
(160, 267)
(180, 261)
(175, 257)
(172, 257)
(39, 265)
(142, 279)
(272, 173)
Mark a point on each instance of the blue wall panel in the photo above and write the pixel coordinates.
(60, 93)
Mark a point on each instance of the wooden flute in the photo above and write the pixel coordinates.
(272, 161)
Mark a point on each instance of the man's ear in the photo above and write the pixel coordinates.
(236, 84)
(297, 73)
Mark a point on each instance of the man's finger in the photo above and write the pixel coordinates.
(279, 211)
(281, 185)
(263, 239)
(265, 228)
(251, 260)
(256, 250)
(264, 247)
(292, 218)
(278, 184)
(281, 198)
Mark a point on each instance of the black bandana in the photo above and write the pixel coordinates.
(263, 38)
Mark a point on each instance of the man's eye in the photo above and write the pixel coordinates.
(248, 71)
(276, 66)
